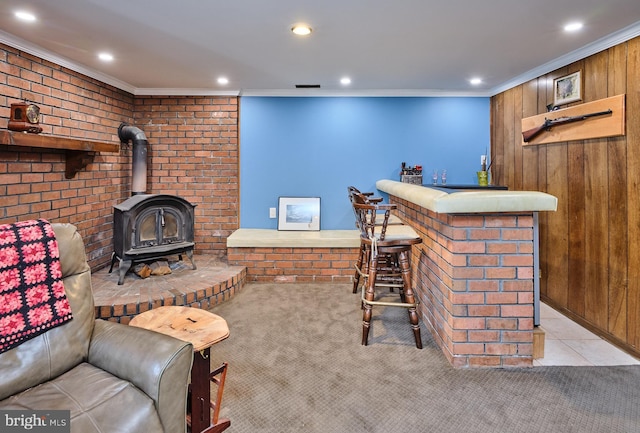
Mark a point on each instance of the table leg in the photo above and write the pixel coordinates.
(200, 398)
(200, 392)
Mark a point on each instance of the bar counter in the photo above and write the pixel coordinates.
(469, 201)
(476, 271)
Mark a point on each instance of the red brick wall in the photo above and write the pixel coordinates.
(474, 277)
(32, 181)
(193, 153)
(290, 265)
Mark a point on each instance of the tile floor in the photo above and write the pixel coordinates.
(567, 343)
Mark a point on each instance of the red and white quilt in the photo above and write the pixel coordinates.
(32, 296)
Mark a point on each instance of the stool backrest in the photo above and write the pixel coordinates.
(368, 216)
(366, 197)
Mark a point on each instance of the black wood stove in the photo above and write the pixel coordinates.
(149, 226)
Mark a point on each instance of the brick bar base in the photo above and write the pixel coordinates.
(474, 276)
(291, 265)
(212, 283)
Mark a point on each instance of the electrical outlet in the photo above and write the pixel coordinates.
(272, 212)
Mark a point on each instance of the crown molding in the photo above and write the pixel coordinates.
(397, 93)
(35, 50)
(601, 44)
(160, 91)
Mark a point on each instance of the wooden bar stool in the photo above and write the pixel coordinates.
(396, 248)
(362, 261)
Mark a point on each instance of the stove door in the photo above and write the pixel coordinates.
(170, 226)
(158, 226)
(146, 232)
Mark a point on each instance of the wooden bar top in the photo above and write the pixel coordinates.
(475, 201)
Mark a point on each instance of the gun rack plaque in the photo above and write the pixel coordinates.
(595, 127)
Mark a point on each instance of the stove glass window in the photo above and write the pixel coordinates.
(170, 228)
(147, 229)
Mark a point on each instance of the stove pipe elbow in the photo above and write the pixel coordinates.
(139, 161)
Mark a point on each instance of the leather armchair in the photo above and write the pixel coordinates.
(112, 377)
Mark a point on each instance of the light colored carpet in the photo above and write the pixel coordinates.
(296, 365)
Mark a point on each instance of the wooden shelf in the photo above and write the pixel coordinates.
(79, 152)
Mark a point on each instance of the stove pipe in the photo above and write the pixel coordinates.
(139, 162)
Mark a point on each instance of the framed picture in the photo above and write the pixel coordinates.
(299, 213)
(567, 89)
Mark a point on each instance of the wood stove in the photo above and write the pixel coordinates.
(151, 226)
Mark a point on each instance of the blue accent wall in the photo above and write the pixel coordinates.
(317, 146)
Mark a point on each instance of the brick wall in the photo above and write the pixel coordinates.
(32, 181)
(193, 153)
(474, 277)
(290, 265)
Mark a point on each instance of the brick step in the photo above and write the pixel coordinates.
(213, 282)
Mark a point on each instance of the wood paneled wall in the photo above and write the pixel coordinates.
(590, 256)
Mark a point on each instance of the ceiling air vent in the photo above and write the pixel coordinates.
(307, 86)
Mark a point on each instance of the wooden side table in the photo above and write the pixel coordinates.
(202, 329)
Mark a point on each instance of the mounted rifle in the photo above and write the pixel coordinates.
(549, 123)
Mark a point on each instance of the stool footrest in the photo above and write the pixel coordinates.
(387, 304)
(383, 277)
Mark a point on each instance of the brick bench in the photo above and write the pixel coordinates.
(294, 256)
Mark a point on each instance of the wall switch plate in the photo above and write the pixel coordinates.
(272, 212)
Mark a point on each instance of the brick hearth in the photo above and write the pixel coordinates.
(212, 283)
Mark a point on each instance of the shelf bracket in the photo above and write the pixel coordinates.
(77, 160)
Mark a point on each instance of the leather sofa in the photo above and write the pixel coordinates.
(110, 376)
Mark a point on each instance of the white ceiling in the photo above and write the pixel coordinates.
(387, 47)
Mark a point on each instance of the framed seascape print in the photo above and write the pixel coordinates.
(567, 89)
(299, 213)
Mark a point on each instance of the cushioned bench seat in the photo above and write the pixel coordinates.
(294, 239)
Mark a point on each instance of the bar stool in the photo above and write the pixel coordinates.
(362, 261)
(396, 247)
(393, 219)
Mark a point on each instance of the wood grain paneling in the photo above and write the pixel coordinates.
(633, 191)
(617, 206)
(589, 255)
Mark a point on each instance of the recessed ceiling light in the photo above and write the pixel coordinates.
(25, 16)
(105, 57)
(572, 27)
(301, 29)
(475, 81)
(345, 81)
(223, 80)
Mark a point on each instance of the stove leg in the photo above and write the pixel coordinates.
(124, 266)
(190, 255)
(113, 260)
